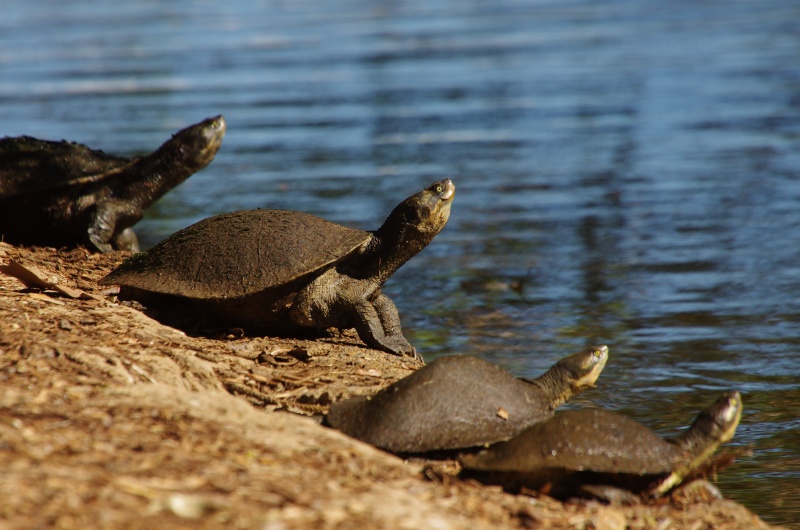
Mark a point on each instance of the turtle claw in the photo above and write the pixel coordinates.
(403, 348)
(400, 347)
(414, 354)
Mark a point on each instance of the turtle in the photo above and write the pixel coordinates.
(460, 402)
(64, 194)
(580, 452)
(284, 271)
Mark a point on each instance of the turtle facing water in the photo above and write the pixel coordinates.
(285, 271)
(595, 447)
(66, 194)
(461, 401)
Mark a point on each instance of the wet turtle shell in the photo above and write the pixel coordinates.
(598, 447)
(282, 271)
(65, 194)
(461, 401)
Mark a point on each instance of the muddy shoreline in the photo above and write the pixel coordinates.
(110, 419)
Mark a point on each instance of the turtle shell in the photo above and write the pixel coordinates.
(455, 402)
(591, 440)
(29, 165)
(575, 448)
(238, 254)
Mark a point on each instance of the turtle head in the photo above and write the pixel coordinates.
(424, 213)
(197, 144)
(582, 369)
(410, 227)
(713, 427)
(572, 375)
(147, 178)
(428, 210)
(717, 423)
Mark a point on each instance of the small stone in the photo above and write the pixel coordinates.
(608, 518)
(188, 506)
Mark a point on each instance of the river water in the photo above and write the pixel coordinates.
(627, 173)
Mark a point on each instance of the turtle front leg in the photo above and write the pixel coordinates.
(378, 325)
(109, 226)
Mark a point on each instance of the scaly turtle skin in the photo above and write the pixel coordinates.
(597, 447)
(279, 271)
(460, 402)
(65, 194)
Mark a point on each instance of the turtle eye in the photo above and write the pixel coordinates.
(439, 188)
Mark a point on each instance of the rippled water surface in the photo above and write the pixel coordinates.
(627, 172)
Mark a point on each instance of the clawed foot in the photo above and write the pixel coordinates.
(399, 346)
(403, 348)
(411, 352)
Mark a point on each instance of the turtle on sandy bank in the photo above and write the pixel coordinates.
(593, 450)
(460, 401)
(65, 194)
(280, 271)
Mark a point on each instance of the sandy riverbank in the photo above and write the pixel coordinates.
(109, 419)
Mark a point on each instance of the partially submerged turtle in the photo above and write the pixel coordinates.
(460, 402)
(578, 450)
(66, 194)
(285, 271)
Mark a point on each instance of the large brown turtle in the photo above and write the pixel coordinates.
(591, 447)
(66, 194)
(460, 402)
(284, 271)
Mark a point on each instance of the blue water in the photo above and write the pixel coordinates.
(626, 172)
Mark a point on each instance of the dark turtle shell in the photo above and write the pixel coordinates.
(29, 165)
(596, 446)
(461, 401)
(582, 440)
(238, 254)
